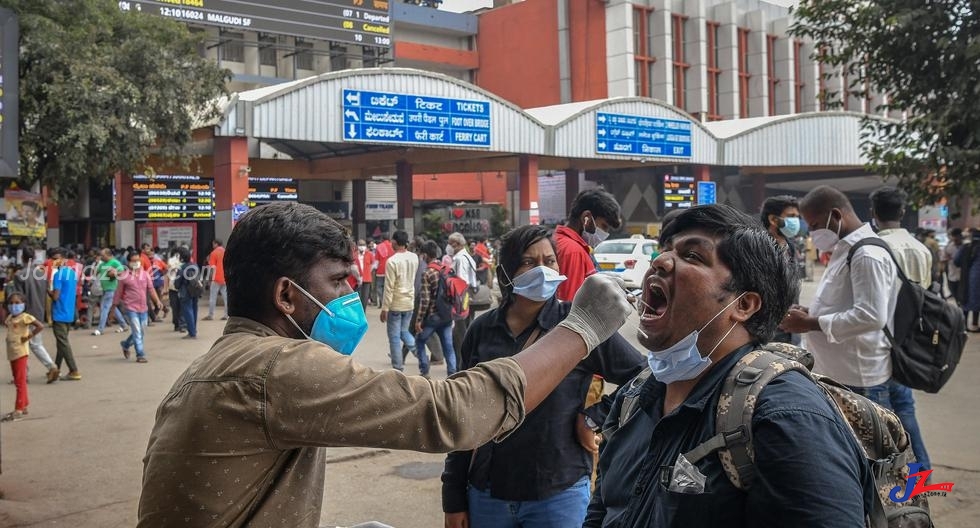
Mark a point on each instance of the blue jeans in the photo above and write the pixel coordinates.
(188, 314)
(105, 306)
(566, 508)
(897, 397)
(137, 322)
(445, 333)
(397, 332)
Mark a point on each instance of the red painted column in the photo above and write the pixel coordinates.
(231, 170)
(702, 173)
(53, 219)
(406, 207)
(528, 176)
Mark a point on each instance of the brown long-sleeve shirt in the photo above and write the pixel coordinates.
(238, 438)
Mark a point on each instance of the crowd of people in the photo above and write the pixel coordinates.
(531, 437)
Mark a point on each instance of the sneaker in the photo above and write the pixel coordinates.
(125, 349)
(72, 376)
(188, 336)
(224, 317)
(97, 332)
(13, 416)
(141, 359)
(208, 318)
(121, 330)
(437, 362)
(53, 374)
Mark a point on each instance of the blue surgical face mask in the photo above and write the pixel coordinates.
(341, 324)
(682, 360)
(17, 309)
(537, 284)
(791, 227)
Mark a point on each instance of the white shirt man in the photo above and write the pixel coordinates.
(852, 304)
(912, 256)
(465, 266)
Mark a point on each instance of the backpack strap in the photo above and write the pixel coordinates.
(876, 241)
(632, 394)
(733, 420)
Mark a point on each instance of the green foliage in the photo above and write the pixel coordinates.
(102, 90)
(432, 226)
(925, 56)
(499, 225)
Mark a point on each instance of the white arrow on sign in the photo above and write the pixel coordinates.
(351, 114)
(354, 99)
(353, 131)
(602, 131)
(602, 145)
(601, 119)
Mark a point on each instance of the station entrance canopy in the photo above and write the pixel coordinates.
(355, 124)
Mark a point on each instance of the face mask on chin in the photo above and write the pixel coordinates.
(825, 239)
(683, 360)
(341, 324)
(594, 238)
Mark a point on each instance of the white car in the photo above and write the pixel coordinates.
(626, 258)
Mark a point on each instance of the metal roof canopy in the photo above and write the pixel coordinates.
(303, 120)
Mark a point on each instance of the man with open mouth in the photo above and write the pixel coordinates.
(716, 293)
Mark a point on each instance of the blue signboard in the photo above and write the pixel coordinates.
(631, 135)
(403, 118)
(707, 193)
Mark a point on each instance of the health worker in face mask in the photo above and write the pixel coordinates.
(544, 467)
(781, 218)
(594, 213)
(238, 439)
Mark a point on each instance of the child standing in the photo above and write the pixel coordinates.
(21, 327)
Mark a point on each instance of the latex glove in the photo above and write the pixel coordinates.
(599, 309)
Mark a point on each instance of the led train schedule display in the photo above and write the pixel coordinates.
(266, 190)
(172, 197)
(679, 192)
(362, 22)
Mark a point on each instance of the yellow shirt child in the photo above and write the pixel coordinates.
(18, 327)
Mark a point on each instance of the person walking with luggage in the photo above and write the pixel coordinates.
(22, 327)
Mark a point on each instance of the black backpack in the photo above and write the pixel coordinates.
(930, 333)
(877, 430)
(194, 282)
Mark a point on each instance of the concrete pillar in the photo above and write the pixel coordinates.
(758, 65)
(758, 191)
(621, 70)
(784, 68)
(53, 219)
(572, 187)
(696, 54)
(287, 66)
(231, 172)
(528, 181)
(359, 197)
(125, 225)
(406, 211)
(662, 85)
(251, 53)
(727, 16)
(811, 78)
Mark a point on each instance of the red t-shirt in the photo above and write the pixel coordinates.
(216, 262)
(574, 261)
(383, 251)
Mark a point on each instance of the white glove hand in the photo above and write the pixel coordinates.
(599, 309)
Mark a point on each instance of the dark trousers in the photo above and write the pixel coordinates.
(188, 314)
(365, 293)
(459, 331)
(64, 347)
(175, 309)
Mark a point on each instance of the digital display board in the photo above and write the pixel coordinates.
(9, 94)
(680, 192)
(362, 22)
(172, 197)
(262, 190)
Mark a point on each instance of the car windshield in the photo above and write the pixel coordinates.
(615, 246)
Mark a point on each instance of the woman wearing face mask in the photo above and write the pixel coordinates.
(781, 218)
(539, 475)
